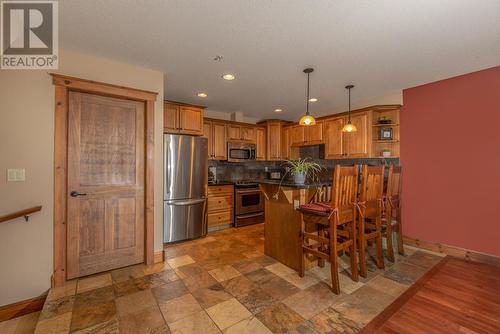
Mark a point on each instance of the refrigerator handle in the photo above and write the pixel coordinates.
(167, 166)
(186, 202)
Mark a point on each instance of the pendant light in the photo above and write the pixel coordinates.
(349, 127)
(307, 119)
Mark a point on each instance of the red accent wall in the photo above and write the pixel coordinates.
(450, 153)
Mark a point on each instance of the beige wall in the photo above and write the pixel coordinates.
(27, 141)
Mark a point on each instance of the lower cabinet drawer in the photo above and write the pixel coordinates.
(219, 218)
(219, 203)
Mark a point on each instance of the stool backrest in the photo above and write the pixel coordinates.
(372, 183)
(345, 186)
(323, 194)
(394, 182)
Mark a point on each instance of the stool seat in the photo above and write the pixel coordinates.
(319, 208)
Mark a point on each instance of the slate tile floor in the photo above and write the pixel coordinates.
(223, 284)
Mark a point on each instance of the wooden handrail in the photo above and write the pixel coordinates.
(23, 213)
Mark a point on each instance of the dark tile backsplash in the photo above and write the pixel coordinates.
(251, 170)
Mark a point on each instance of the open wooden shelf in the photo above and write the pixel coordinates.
(386, 141)
(382, 125)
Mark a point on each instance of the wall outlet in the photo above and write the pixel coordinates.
(296, 204)
(266, 169)
(16, 175)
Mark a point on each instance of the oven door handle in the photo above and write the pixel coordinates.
(250, 215)
(238, 191)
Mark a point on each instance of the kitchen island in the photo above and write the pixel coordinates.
(282, 220)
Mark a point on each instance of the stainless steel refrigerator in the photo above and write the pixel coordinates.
(184, 194)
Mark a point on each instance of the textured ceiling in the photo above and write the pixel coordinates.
(380, 46)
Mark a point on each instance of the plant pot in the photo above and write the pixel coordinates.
(299, 178)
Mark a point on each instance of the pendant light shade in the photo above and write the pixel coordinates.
(349, 127)
(307, 119)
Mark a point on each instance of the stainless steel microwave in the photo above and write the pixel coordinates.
(240, 152)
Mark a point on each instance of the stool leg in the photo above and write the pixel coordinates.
(390, 246)
(321, 233)
(362, 246)
(333, 257)
(302, 244)
(352, 252)
(401, 249)
(380, 252)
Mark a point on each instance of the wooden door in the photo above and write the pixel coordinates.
(357, 142)
(261, 144)
(274, 141)
(334, 140)
(314, 133)
(285, 143)
(248, 133)
(233, 132)
(219, 141)
(207, 133)
(170, 118)
(191, 120)
(105, 200)
(297, 135)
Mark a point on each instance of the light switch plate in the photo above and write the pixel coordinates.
(16, 175)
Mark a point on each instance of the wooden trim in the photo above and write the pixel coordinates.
(89, 86)
(184, 104)
(377, 322)
(458, 252)
(21, 308)
(159, 257)
(23, 213)
(63, 85)
(234, 122)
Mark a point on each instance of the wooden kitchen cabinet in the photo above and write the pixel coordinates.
(261, 143)
(220, 206)
(285, 143)
(243, 133)
(297, 135)
(339, 144)
(334, 139)
(217, 142)
(182, 118)
(314, 133)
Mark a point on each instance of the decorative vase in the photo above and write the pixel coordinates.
(299, 178)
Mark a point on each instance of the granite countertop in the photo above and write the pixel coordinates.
(291, 184)
(221, 183)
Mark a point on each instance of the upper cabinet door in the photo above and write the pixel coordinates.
(334, 140)
(314, 133)
(261, 144)
(248, 133)
(297, 135)
(357, 142)
(191, 120)
(170, 118)
(274, 141)
(207, 132)
(285, 143)
(219, 141)
(233, 132)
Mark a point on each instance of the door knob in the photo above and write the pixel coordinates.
(76, 194)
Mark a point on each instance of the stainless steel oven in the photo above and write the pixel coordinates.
(249, 205)
(240, 152)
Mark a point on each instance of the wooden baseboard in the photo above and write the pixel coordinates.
(23, 307)
(159, 257)
(463, 253)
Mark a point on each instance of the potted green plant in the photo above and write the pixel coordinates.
(386, 153)
(302, 169)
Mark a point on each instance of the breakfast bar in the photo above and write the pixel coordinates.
(282, 222)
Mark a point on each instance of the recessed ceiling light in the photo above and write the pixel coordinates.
(278, 110)
(202, 95)
(313, 99)
(228, 76)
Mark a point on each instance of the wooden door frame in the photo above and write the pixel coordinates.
(63, 86)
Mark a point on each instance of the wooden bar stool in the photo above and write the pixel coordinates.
(370, 208)
(328, 217)
(391, 222)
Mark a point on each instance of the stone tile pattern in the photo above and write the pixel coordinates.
(223, 283)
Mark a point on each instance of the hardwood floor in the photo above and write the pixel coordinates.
(455, 296)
